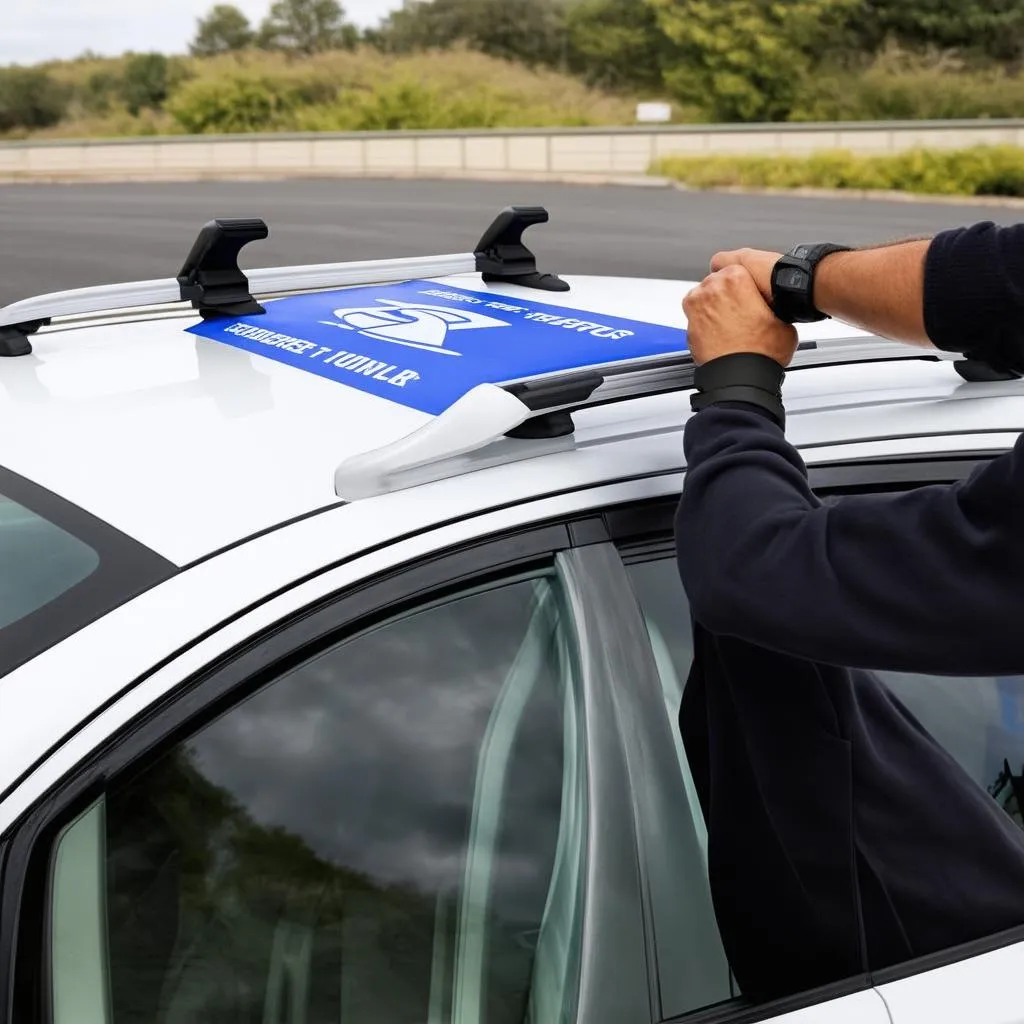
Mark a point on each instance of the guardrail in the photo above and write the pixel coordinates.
(530, 153)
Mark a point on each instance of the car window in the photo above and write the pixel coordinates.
(392, 830)
(60, 569)
(980, 721)
(39, 561)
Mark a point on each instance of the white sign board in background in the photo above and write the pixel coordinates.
(653, 113)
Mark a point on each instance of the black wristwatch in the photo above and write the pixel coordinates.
(793, 282)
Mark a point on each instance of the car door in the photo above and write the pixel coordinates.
(444, 790)
(387, 805)
(979, 721)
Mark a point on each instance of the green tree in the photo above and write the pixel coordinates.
(225, 28)
(618, 43)
(306, 26)
(531, 31)
(746, 60)
(30, 98)
(145, 81)
(990, 28)
(98, 92)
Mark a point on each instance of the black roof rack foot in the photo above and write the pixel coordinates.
(210, 276)
(501, 255)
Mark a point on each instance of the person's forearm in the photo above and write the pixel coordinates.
(922, 581)
(879, 290)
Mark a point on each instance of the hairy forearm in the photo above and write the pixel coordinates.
(961, 290)
(879, 290)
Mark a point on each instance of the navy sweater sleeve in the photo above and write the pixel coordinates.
(974, 293)
(927, 581)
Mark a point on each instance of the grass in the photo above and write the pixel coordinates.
(978, 171)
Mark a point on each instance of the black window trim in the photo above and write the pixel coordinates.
(126, 569)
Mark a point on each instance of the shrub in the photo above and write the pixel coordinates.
(979, 171)
(367, 90)
(241, 103)
(145, 82)
(30, 99)
(898, 86)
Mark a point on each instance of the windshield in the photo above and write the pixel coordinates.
(60, 568)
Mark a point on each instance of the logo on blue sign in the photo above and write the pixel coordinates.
(414, 324)
(392, 340)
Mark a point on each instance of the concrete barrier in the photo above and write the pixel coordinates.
(547, 154)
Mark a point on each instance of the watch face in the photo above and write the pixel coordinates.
(794, 278)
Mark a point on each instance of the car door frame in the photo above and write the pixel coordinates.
(615, 984)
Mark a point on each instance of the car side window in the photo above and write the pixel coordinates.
(390, 830)
(979, 721)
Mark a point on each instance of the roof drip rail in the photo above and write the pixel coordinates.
(210, 276)
(502, 256)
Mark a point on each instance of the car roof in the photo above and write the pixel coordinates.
(189, 445)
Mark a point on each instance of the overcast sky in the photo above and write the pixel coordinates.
(34, 30)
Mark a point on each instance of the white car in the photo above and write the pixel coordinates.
(342, 642)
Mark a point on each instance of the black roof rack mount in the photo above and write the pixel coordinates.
(502, 256)
(210, 276)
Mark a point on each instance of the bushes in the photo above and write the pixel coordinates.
(368, 91)
(236, 104)
(980, 171)
(897, 86)
(29, 99)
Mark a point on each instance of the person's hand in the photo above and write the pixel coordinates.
(726, 314)
(757, 262)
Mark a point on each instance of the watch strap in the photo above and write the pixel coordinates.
(793, 282)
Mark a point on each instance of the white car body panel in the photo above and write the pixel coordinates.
(859, 1008)
(984, 988)
(191, 447)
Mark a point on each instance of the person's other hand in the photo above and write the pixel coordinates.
(726, 314)
(757, 262)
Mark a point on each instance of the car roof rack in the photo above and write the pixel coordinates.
(211, 280)
(540, 408)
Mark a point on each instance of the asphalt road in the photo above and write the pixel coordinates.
(65, 236)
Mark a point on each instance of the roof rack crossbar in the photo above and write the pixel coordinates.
(109, 298)
(541, 407)
(211, 280)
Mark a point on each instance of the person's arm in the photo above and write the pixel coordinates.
(877, 290)
(963, 289)
(927, 581)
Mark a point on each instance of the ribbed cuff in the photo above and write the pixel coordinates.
(746, 377)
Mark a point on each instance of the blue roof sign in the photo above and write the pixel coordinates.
(424, 345)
